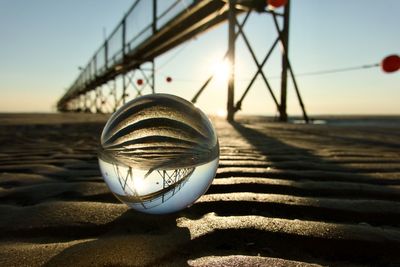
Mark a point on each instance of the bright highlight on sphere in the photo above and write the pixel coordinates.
(158, 154)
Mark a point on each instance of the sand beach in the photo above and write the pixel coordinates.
(284, 195)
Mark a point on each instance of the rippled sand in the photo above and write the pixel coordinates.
(285, 195)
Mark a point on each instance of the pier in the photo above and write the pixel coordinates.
(151, 28)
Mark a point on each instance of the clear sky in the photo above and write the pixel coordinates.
(43, 42)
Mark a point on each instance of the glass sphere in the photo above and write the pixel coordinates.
(159, 153)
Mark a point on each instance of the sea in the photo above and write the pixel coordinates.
(334, 120)
(351, 120)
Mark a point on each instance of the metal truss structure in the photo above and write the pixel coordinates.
(172, 182)
(123, 67)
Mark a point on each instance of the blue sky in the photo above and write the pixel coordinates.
(43, 42)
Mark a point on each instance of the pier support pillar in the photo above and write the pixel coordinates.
(285, 64)
(231, 58)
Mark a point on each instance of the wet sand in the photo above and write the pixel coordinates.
(284, 195)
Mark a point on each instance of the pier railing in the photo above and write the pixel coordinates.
(142, 21)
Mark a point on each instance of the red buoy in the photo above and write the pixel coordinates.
(276, 3)
(391, 63)
(139, 81)
(169, 79)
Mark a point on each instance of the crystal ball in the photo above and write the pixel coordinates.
(158, 153)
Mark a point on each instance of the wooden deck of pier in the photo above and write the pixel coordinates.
(284, 195)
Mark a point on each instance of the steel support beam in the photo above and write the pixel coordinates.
(284, 37)
(196, 96)
(286, 66)
(231, 58)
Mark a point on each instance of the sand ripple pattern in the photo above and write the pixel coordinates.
(285, 195)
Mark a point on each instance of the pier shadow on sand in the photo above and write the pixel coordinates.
(333, 174)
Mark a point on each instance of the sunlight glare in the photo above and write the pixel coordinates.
(138, 182)
(221, 70)
(221, 112)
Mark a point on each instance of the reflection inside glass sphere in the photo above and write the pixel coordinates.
(158, 153)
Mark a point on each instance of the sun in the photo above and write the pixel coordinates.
(221, 112)
(221, 70)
